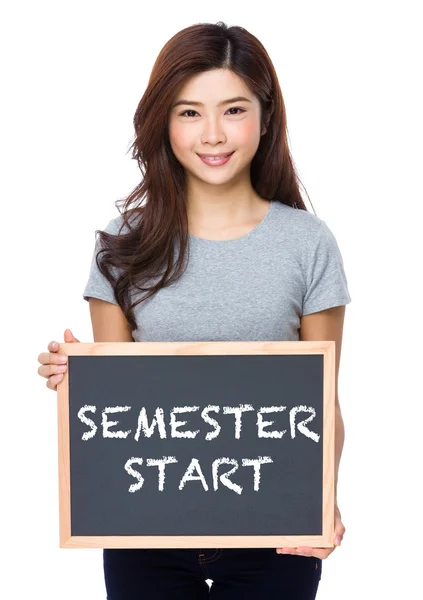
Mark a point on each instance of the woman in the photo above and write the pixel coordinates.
(223, 248)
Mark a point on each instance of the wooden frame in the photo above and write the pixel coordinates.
(326, 348)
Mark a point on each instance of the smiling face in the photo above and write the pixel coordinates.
(205, 124)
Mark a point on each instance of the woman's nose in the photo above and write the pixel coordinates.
(213, 132)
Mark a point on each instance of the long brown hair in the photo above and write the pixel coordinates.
(132, 261)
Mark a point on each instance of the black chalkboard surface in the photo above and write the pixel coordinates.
(197, 444)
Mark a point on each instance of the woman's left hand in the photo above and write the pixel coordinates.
(319, 552)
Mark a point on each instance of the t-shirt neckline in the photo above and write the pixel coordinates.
(248, 235)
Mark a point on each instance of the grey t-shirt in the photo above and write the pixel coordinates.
(252, 288)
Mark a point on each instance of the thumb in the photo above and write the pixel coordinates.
(69, 337)
(339, 530)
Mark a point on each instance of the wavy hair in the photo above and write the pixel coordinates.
(154, 213)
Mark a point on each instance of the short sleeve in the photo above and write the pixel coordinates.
(326, 282)
(97, 285)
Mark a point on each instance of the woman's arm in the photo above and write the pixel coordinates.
(108, 322)
(328, 325)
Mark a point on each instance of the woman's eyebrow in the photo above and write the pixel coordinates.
(229, 101)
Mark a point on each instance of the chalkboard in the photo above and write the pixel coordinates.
(197, 444)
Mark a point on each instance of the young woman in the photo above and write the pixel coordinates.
(214, 244)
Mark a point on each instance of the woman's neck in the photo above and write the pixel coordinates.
(225, 218)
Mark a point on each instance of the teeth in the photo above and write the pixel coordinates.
(215, 157)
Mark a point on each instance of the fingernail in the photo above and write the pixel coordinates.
(54, 345)
(338, 540)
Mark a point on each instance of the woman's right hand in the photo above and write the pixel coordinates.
(53, 365)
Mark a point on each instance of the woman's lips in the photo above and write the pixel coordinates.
(215, 163)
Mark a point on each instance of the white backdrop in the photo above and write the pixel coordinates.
(72, 76)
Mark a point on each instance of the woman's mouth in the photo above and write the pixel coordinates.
(215, 161)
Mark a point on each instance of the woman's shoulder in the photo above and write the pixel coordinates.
(297, 220)
(119, 224)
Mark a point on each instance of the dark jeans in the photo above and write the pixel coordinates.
(237, 574)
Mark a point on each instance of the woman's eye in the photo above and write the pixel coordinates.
(184, 114)
(190, 110)
(236, 108)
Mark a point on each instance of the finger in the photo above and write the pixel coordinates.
(339, 531)
(316, 552)
(338, 522)
(53, 381)
(286, 550)
(322, 552)
(69, 337)
(49, 370)
(305, 550)
(52, 358)
(44, 357)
